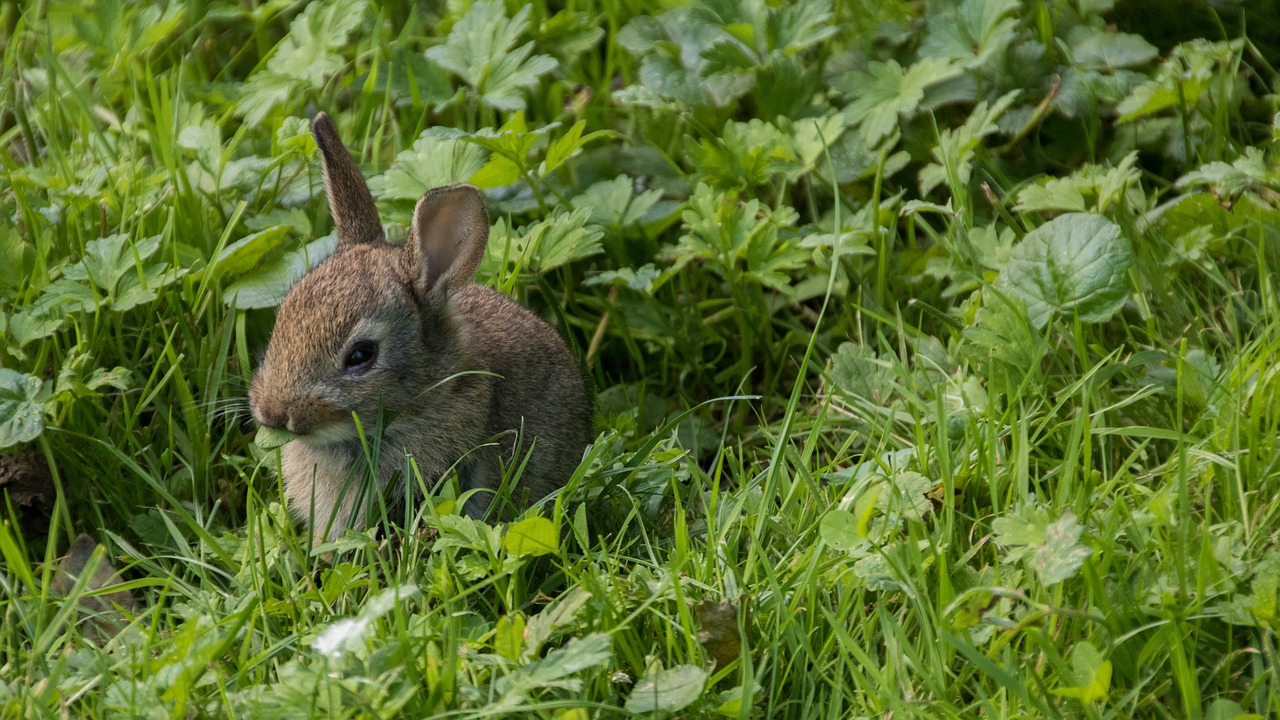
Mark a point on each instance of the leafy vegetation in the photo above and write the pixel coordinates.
(936, 346)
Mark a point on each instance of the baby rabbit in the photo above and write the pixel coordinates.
(460, 375)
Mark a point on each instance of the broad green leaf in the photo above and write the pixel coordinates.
(1052, 547)
(531, 537)
(730, 235)
(957, 147)
(749, 154)
(439, 157)
(839, 529)
(36, 322)
(508, 636)
(718, 629)
(615, 202)
(667, 690)
(510, 146)
(675, 47)
(906, 496)
(270, 438)
(22, 400)
(107, 260)
(555, 670)
(1092, 675)
(248, 251)
(1230, 181)
(967, 610)
(1182, 79)
(642, 279)
(568, 145)
(1002, 336)
(858, 372)
(1075, 264)
(119, 269)
(1062, 553)
(350, 634)
(971, 32)
(885, 93)
(799, 25)
(1260, 607)
(1224, 709)
(558, 239)
(557, 618)
(1091, 186)
(1107, 50)
(266, 285)
(306, 57)
(481, 50)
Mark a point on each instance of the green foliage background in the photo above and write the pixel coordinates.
(937, 348)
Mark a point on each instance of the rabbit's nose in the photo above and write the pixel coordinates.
(268, 416)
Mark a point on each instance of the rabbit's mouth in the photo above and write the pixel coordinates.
(330, 434)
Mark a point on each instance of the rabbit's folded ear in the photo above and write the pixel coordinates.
(355, 218)
(447, 240)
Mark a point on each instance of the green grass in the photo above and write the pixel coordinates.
(936, 347)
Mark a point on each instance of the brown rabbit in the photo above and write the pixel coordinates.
(460, 375)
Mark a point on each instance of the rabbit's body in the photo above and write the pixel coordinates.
(460, 375)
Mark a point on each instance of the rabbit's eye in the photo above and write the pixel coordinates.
(360, 357)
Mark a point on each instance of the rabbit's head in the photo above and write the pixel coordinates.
(370, 327)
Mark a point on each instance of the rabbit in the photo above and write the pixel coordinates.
(462, 376)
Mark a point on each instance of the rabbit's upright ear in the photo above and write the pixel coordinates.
(447, 239)
(355, 218)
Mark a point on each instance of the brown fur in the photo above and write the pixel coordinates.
(431, 322)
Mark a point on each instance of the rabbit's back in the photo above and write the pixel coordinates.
(538, 392)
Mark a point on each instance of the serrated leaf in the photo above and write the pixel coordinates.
(1075, 264)
(559, 239)
(1181, 81)
(531, 537)
(568, 145)
(1053, 547)
(34, 323)
(481, 51)
(799, 25)
(667, 690)
(1062, 554)
(440, 156)
(886, 92)
(857, 371)
(1091, 186)
(118, 378)
(349, 634)
(957, 147)
(642, 279)
(908, 497)
(306, 57)
(615, 202)
(1107, 50)
(971, 32)
(22, 399)
(730, 234)
(1230, 181)
(680, 59)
